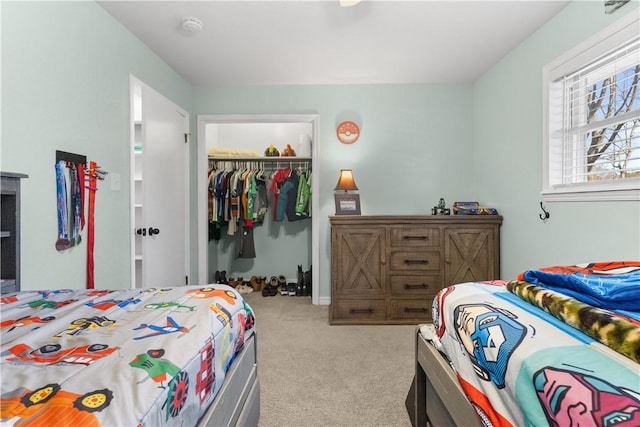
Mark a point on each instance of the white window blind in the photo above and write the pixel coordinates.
(592, 118)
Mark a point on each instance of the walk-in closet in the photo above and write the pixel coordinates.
(257, 219)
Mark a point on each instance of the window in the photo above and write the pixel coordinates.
(592, 118)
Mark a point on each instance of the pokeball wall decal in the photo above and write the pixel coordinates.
(348, 132)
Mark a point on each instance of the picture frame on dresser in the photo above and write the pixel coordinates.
(347, 204)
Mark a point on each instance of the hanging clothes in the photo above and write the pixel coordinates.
(302, 199)
(239, 194)
(277, 180)
(287, 197)
(246, 246)
(261, 204)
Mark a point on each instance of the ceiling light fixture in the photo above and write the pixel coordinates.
(191, 24)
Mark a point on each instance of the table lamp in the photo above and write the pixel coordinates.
(346, 203)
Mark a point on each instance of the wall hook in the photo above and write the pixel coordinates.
(544, 217)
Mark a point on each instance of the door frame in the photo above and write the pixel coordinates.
(202, 184)
(133, 83)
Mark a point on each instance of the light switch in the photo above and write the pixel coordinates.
(115, 181)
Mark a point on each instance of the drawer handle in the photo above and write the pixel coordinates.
(421, 286)
(361, 310)
(416, 237)
(416, 261)
(416, 310)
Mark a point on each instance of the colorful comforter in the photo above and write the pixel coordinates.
(145, 357)
(521, 366)
(608, 285)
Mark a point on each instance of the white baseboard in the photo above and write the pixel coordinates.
(324, 301)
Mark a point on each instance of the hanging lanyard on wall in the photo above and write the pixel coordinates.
(61, 193)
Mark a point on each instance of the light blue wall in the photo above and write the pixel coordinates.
(415, 144)
(507, 129)
(65, 86)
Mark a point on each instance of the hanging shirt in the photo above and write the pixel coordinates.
(287, 198)
(261, 204)
(302, 199)
(277, 180)
(249, 197)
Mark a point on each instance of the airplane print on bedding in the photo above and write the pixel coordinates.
(145, 357)
(520, 366)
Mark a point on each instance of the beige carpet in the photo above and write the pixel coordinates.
(313, 374)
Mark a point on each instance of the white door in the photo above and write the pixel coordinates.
(160, 192)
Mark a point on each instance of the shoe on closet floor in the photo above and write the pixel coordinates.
(263, 282)
(291, 289)
(282, 285)
(266, 291)
(255, 283)
(245, 289)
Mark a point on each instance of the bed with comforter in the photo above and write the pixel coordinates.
(141, 357)
(559, 346)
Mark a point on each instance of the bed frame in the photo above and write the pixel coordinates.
(439, 399)
(238, 400)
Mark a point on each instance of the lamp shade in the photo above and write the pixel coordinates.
(345, 181)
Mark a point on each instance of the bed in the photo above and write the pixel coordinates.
(559, 346)
(142, 357)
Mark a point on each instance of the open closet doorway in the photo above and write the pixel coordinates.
(282, 245)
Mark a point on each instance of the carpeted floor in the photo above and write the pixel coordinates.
(316, 375)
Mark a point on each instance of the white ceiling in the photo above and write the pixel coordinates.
(319, 42)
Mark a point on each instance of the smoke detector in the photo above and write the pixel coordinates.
(191, 25)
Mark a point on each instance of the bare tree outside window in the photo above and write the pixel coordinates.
(591, 147)
(613, 151)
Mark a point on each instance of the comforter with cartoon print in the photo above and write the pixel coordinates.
(521, 363)
(143, 357)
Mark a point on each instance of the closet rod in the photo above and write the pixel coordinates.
(269, 166)
(261, 159)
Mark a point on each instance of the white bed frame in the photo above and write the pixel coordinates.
(439, 399)
(238, 400)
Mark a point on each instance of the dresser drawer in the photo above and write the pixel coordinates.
(359, 310)
(415, 261)
(419, 310)
(414, 237)
(423, 285)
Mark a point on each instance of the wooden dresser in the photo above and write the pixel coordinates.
(387, 269)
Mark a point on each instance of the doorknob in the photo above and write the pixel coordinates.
(153, 231)
(141, 231)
